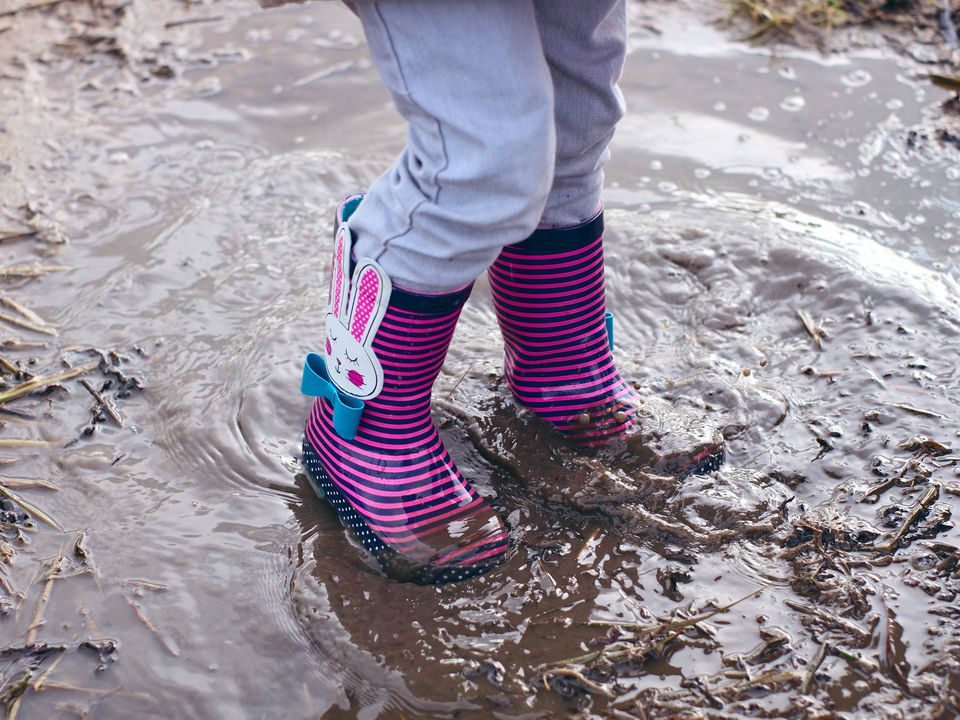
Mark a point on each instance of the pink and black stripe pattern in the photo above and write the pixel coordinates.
(395, 484)
(548, 292)
(549, 296)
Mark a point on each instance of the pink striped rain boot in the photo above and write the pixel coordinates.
(371, 448)
(548, 292)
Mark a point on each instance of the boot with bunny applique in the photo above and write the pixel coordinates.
(370, 447)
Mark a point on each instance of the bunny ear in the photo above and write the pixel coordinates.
(339, 273)
(368, 300)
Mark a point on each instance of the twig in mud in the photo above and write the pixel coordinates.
(42, 381)
(33, 6)
(814, 666)
(30, 508)
(831, 620)
(20, 484)
(917, 411)
(21, 442)
(589, 685)
(146, 584)
(103, 402)
(37, 621)
(916, 510)
(884, 485)
(862, 664)
(816, 333)
(152, 628)
(28, 271)
(192, 21)
(27, 325)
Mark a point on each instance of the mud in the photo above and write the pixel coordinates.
(782, 243)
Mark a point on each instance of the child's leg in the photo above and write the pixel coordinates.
(471, 80)
(548, 290)
(585, 46)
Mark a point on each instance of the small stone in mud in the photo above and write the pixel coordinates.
(11, 513)
(746, 372)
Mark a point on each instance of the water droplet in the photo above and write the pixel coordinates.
(656, 165)
(758, 114)
(119, 157)
(894, 104)
(793, 103)
(701, 173)
(857, 78)
(720, 106)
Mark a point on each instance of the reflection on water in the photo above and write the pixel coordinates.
(763, 189)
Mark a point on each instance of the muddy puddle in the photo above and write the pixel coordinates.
(782, 243)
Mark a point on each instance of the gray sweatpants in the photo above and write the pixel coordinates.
(510, 106)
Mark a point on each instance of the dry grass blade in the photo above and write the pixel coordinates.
(192, 21)
(814, 666)
(8, 366)
(29, 271)
(136, 582)
(37, 621)
(42, 381)
(815, 332)
(20, 484)
(918, 411)
(31, 508)
(950, 83)
(831, 620)
(38, 685)
(152, 628)
(20, 442)
(25, 311)
(26, 324)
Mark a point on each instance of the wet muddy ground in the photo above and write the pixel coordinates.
(783, 234)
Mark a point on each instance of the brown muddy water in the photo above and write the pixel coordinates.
(746, 191)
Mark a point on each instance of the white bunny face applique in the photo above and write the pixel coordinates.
(356, 310)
